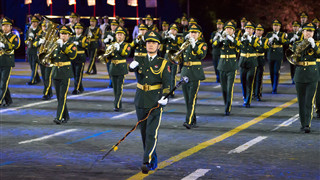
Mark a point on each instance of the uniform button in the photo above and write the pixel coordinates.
(147, 70)
(227, 51)
(227, 60)
(304, 68)
(273, 50)
(188, 68)
(146, 76)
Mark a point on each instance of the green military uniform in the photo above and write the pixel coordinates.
(275, 55)
(72, 26)
(192, 68)
(110, 37)
(248, 63)
(216, 50)
(173, 44)
(164, 34)
(152, 27)
(32, 52)
(293, 37)
(7, 62)
(93, 46)
(61, 74)
(228, 65)
(125, 29)
(257, 87)
(119, 68)
(306, 78)
(139, 44)
(46, 71)
(153, 77)
(317, 39)
(78, 62)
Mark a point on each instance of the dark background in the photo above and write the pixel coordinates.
(205, 11)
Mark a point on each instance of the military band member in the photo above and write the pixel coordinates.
(32, 50)
(263, 41)
(316, 35)
(152, 73)
(216, 49)
(93, 35)
(172, 42)
(184, 26)
(46, 71)
(248, 62)
(163, 34)
(110, 37)
(7, 60)
(73, 19)
(275, 53)
(139, 42)
(303, 19)
(62, 72)
(228, 63)
(306, 77)
(118, 67)
(81, 43)
(192, 68)
(294, 36)
(149, 23)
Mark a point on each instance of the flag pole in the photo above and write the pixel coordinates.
(75, 8)
(137, 12)
(114, 9)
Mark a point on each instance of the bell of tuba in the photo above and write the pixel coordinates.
(293, 56)
(50, 44)
(4, 40)
(175, 56)
(102, 55)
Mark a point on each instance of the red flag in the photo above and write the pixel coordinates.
(91, 2)
(133, 2)
(111, 2)
(27, 1)
(151, 3)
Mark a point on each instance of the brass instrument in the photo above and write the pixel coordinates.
(4, 40)
(139, 37)
(224, 34)
(102, 55)
(174, 56)
(293, 56)
(29, 40)
(46, 49)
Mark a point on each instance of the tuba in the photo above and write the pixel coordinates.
(174, 56)
(46, 49)
(4, 40)
(102, 55)
(293, 56)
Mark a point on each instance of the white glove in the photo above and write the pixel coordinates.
(276, 37)
(296, 36)
(60, 42)
(137, 40)
(90, 33)
(311, 40)
(110, 37)
(271, 39)
(246, 34)
(133, 64)
(187, 36)
(250, 38)
(172, 36)
(31, 35)
(1, 45)
(163, 101)
(230, 38)
(41, 41)
(193, 42)
(292, 39)
(142, 38)
(117, 46)
(76, 43)
(106, 40)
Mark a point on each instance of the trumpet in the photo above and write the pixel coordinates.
(4, 40)
(102, 55)
(174, 56)
(46, 49)
(294, 56)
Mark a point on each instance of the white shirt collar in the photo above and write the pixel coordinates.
(151, 57)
